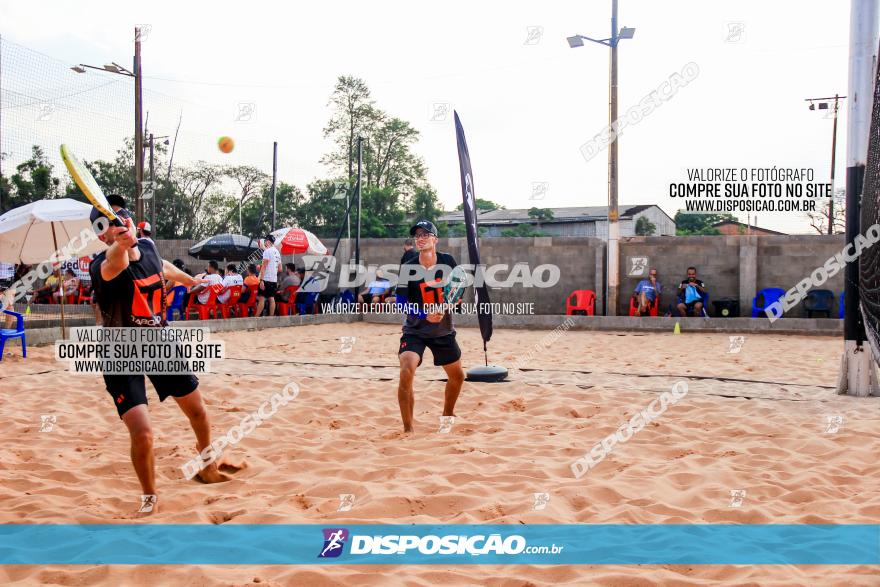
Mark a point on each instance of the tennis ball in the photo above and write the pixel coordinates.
(226, 144)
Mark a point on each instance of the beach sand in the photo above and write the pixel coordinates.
(342, 434)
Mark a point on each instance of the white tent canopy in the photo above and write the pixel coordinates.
(26, 232)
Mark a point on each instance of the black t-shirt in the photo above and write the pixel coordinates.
(684, 283)
(134, 297)
(427, 292)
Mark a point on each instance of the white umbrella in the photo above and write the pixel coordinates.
(48, 230)
(31, 233)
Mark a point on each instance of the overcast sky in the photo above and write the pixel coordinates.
(527, 101)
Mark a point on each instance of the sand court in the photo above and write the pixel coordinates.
(759, 438)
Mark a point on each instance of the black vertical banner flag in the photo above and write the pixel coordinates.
(481, 293)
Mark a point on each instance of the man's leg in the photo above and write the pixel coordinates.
(698, 308)
(272, 306)
(260, 301)
(454, 380)
(194, 408)
(682, 310)
(409, 361)
(137, 420)
(643, 303)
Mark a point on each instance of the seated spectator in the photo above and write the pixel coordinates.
(690, 294)
(211, 277)
(230, 278)
(375, 290)
(292, 277)
(646, 292)
(45, 294)
(170, 284)
(251, 283)
(71, 285)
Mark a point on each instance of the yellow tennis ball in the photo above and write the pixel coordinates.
(226, 144)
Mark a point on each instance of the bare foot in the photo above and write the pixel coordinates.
(211, 474)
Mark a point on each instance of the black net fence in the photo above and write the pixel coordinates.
(869, 261)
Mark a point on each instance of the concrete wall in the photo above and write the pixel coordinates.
(731, 266)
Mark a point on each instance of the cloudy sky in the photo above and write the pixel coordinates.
(527, 101)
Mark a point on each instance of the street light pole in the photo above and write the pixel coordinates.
(613, 261)
(138, 128)
(613, 216)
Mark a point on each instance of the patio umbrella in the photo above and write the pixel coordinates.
(231, 247)
(298, 241)
(33, 233)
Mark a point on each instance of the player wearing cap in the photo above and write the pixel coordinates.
(127, 280)
(434, 330)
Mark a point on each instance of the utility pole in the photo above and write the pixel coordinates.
(153, 187)
(357, 241)
(274, 179)
(823, 105)
(613, 216)
(138, 128)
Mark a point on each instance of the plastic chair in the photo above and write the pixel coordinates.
(840, 311)
(244, 308)
(653, 309)
(179, 292)
(207, 309)
(770, 295)
(310, 306)
(17, 332)
(819, 300)
(287, 308)
(231, 303)
(581, 300)
(85, 294)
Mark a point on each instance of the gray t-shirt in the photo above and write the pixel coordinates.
(420, 292)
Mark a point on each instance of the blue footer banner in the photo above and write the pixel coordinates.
(451, 544)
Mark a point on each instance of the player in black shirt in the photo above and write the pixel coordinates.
(128, 282)
(421, 330)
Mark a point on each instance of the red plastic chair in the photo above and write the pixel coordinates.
(243, 309)
(581, 300)
(207, 309)
(85, 295)
(653, 309)
(231, 304)
(287, 308)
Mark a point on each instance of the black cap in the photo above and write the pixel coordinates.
(426, 225)
(95, 214)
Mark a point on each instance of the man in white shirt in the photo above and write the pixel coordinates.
(212, 277)
(268, 276)
(229, 280)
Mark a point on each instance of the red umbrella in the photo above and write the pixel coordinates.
(296, 241)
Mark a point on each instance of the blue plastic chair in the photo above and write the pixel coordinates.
(17, 332)
(840, 312)
(770, 295)
(176, 303)
(819, 300)
(311, 298)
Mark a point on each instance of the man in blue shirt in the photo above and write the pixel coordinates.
(648, 291)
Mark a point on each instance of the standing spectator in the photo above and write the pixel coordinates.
(230, 279)
(145, 231)
(690, 294)
(268, 275)
(647, 292)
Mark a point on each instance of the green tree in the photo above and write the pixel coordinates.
(353, 113)
(32, 181)
(698, 224)
(484, 205)
(257, 212)
(644, 227)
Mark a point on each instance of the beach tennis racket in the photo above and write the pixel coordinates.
(455, 286)
(88, 185)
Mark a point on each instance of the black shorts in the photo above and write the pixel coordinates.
(129, 391)
(269, 289)
(444, 348)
